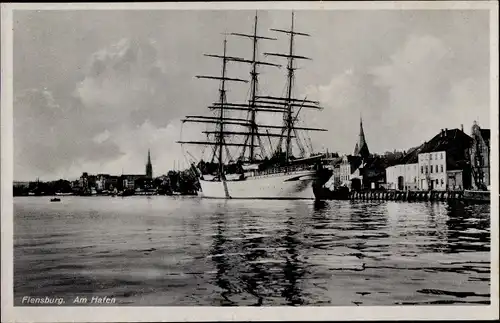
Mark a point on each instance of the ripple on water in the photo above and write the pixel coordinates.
(175, 251)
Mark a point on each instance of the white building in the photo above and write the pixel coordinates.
(347, 167)
(402, 177)
(432, 171)
(439, 164)
(101, 182)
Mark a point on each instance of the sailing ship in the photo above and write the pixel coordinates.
(261, 170)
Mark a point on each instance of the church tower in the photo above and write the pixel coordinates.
(149, 166)
(361, 148)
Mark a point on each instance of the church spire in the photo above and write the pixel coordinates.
(149, 166)
(361, 148)
(361, 133)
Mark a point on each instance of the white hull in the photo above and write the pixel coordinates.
(294, 185)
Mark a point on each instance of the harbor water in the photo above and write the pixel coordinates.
(177, 251)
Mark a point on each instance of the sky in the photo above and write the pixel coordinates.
(94, 90)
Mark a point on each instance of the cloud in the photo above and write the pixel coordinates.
(47, 139)
(425, 91)
(345, 98)
(470, 99)
(418, 74)
(404, 102)
(125, 86)
(122, 89)
(125, 83)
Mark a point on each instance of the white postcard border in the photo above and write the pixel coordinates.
(201, 313)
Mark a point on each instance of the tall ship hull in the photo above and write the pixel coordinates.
(294, 185)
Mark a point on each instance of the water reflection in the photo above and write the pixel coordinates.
(255, 266)
(467, 227)
(254, 277)
(320, 205)
(220, 258)
(293, 270)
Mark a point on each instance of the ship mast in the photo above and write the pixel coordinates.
(222, 100)
(253, 129)
(256, 104)
(289, 101)
(221, 119)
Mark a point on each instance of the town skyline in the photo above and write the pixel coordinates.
(125, 88)
(180, 166)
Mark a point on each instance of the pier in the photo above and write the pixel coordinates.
(408, 195)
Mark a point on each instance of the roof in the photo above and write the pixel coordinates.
(455, 143)
(352, 158)
(449, 140)
(361, 148)
(354, 161)
(375, 162)
(411, 156)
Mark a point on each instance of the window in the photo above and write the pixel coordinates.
(441, 168)
(437, 169)
(437, 182)
(432, 168)
(421, 169)
(441, 155)
(442, 182)
(430, 156)
(426, 169)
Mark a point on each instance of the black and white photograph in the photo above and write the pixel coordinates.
(204, 159)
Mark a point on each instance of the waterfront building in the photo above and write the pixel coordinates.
(347, 167)
(101, 180)
(454, 179)
(348, 170)
(20, 188)
(433, 170)
(336, 171)
(369, 170)
(83, 181)
(334, 164)
(113, 182)
(372, 172)
(480, 157)
(92, 179)
(19, 184)
(404, 175)
(443, 162)
(75, 186)
(129, 181)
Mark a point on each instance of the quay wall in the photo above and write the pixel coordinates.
(408, 195)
